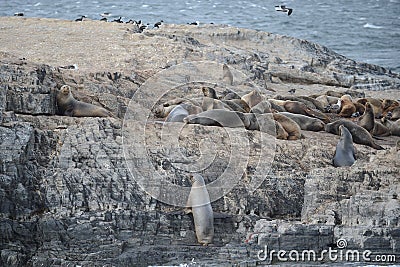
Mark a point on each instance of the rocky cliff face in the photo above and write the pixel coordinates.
(67, 193)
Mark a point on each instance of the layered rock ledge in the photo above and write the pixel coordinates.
(68, 198)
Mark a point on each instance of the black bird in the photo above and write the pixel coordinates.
(119, 20)
(284, 9)
(194, 23)
(158, 24)
(292, 91)
(103, 19)
(81, 18)
(19, 14)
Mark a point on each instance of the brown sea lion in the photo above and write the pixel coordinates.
(161, 111)
(316, 103)
(335, 94)
(305, 122)
(367, 120)
(347, 108)
(308, 103)
(359, 134)
(327, 100)
(290, 126)
(200, 206)
(237, 105)
(360, 108)
(252, 98)
(211, 103)
(69, 106)
(380, 129)
(376, 105)
(389, 105)
(395, 114)
(300, 108)
(344, 153)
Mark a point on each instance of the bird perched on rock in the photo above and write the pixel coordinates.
(284, 9)
(292, 91)
(81, 18)
(158, 24)
(119, 20)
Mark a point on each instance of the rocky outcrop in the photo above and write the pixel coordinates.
(69, 196)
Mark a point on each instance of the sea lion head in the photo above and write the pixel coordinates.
(197, 179)
(346, 98)
(209, 92)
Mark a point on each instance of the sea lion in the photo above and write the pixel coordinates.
(359, 108)
(237, 105)
(347, 108)
(200, 206)
(252, 98)
(192, 108)
(69, 106)
(209, 92)
(334, 93)
(308, 103)
(211, 103)
(388, 105)
(316, 103)
(380, 129)
(394, 127)
(228, 94)
(327, 100)
(290, 126)
(218, 117)
(177, 114)
(301, 108)
(367, 120)
(262, 107)
(344, 153)
(305, 122)
(227, 76)
(359, 134)
(395, 114)
(162, 111)
(280, 131)
(376, 105)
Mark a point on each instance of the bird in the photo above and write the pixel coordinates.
(194, 23)
(292, 91)
(158, 24)
(284, 9)
(103, 19)
(105, 14)
(119, 20)
(81, 18)
(19, 14)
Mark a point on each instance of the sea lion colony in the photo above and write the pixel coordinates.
(347, 114)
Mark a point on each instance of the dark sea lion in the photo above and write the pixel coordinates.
(209, 92)
(305, 122)
(347, 108)
(316, 103)
(360, 108)
(69, 106)
(237, 105)
(262, 107)
(227, 76)
(218, 117)
(359, 134)
(344, 153)
(199, 204)
(177, 114)
(367, 120)
(290, 126)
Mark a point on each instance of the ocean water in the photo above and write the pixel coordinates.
(363, 30)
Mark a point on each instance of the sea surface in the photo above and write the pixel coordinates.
(364, 30)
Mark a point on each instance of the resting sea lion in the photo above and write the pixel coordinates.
(359, 134)
(69, 106)
(344, 153)
(394, 127)
(237, 105)
(308, 103)
(305, 122)
(380, 129)
(290, 126)
(177, 114)
(200, 206)
(162, 111)
(395, 114)
(300, 108)
(389, 105)
(218, 117)
(327, 100)
(367, 120)
(211, 103)
(347, 108)
(262, 107)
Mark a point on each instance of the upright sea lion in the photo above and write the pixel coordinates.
(290, 126)
(211, 103)
(199, 204)
(227, 76)
(367, 120)
(347, 108)
(344, 153)
(359, 134)
(376, 105)
(252, 98)
(305, 122)
(218, 117)
(69, 106)
(209, 92)
(177, 114)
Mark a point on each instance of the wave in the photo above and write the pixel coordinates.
(372, 26)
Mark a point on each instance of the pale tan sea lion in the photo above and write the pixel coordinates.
(394, 126)
(301, 108)
(199, 204)
(211, 103)
(290, 126)
(227, 76)
(347, 108)
(252, 98)
(344, 153)
(359, 134)
(69, 106)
